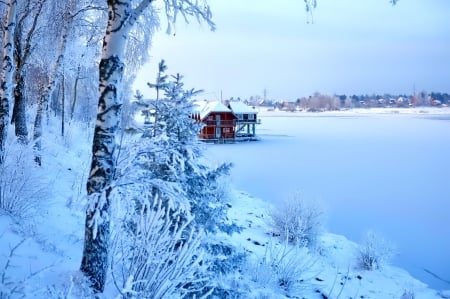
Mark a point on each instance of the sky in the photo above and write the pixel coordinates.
(277, 49)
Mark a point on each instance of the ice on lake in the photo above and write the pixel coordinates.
(383, 172)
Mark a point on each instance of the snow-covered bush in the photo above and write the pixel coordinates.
(283, 266)
(71, 285)
(21, 185)
(13, 283)
(224, 264)
(10, 287)
(298, 220)
(374, 251)
(155, 253)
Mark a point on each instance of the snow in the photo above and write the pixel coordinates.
(239, 107)
(335, 260)
(47, 262)
(205, 107)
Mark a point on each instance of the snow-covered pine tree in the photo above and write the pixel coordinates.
(168, 141)
(170, 152)
(161, 78)
(178, 156)
(156, 246)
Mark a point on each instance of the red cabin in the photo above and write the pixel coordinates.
(219, 122)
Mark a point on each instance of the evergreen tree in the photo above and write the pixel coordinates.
(177, 157)
(169, 159)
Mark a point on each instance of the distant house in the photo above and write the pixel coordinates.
(219, 121)
(246, 120)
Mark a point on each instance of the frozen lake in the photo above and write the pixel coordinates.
(388, 173)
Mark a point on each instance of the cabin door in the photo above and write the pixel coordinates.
(218, 135)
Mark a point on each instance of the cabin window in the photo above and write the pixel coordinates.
(226, 130)
(240, 116)
(251, 116)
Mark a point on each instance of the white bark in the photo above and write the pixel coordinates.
(23, 50)
(7, 75)
(122, 16)
(111, 69)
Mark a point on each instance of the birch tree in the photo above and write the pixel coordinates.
(23, 40)
(7, 74)
(71, 9)
(44, 98)
(122, 16)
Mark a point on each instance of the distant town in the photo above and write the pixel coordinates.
(321, 102)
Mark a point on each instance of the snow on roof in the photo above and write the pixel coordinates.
(199, 105)
(240, 107)
(205, 107)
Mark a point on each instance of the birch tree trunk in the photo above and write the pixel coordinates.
(45, 97)
(121, 18)
(75, 91)
(7, 75)
(19, 118)
(22, 53)
(63, 104)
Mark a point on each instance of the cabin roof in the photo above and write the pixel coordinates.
(240, 108)
(203, 108)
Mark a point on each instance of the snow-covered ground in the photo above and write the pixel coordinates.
(406, 182)
(332, 270)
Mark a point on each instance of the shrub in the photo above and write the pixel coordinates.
(10, 287)
(155, 253)
(21, 187)
(13, 283)
(374, 251)
(283, 266)
(297, 220)
(72, 285)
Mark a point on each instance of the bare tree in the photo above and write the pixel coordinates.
(44, 98)
(23, 39)
(70, 10)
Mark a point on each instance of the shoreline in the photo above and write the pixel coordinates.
(267, 112)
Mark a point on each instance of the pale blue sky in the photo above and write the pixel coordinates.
(353, 47)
